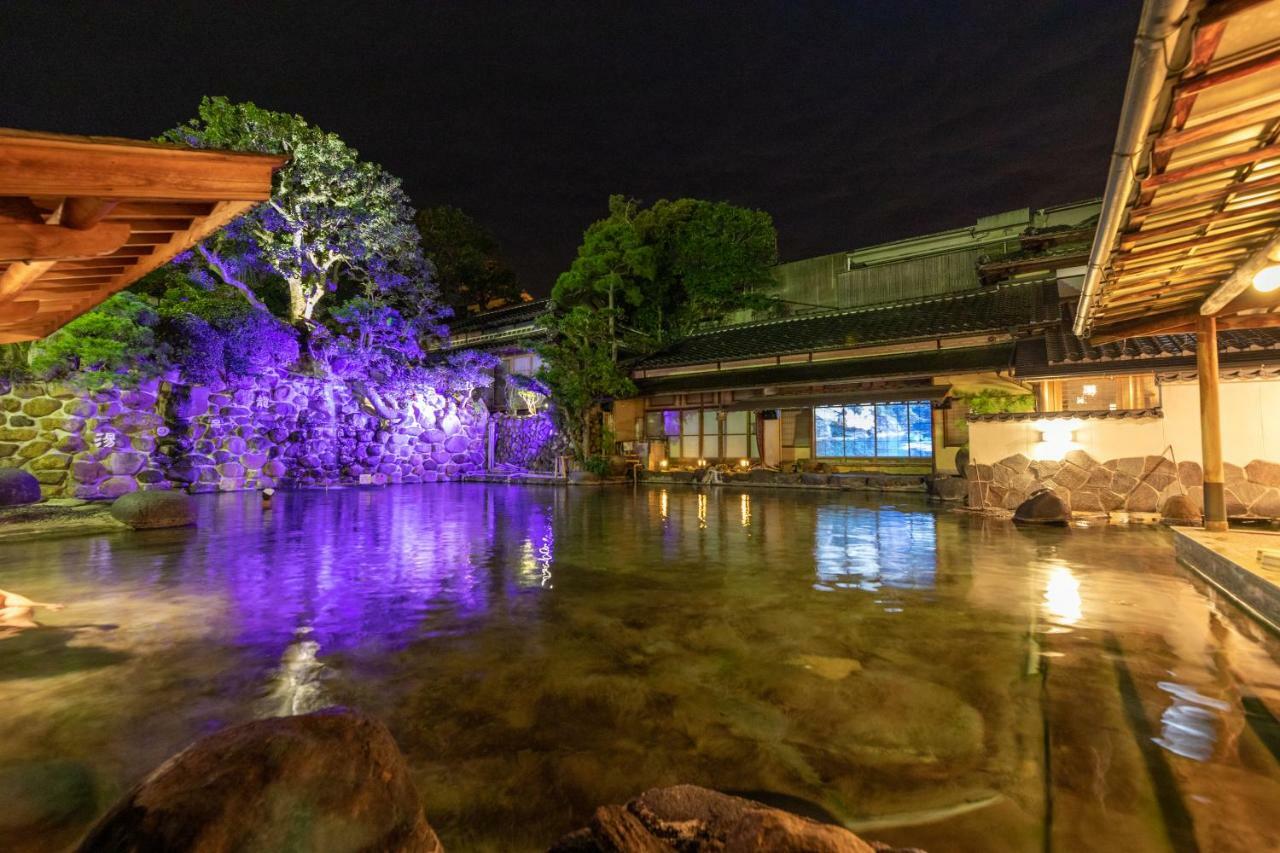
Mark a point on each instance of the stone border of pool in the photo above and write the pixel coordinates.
(1228, 561)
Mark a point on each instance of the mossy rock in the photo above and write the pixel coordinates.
(148, 510)
(41, 406)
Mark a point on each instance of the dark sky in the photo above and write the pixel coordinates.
(851, 123)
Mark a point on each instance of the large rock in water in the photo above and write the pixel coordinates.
(145, 510)
(1044, 507)
(698, 820)
(332, 781)
(1180, 509)
(18, 487)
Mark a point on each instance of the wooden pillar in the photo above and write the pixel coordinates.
(1215, 506)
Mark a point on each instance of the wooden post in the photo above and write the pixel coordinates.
(1215, 507)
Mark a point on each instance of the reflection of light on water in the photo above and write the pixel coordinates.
(296, 687)
(662, 504)
(1062, 595)
(702, 512)
(1187, 725)
(746, 510)
(856, 548)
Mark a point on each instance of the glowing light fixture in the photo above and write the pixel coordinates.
(1267, 279)
(1056, 438)
(662, 464)
(744, 463)
(702, 463)
(1090, 390)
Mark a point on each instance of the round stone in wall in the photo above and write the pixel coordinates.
(147, 510)
(18, 487)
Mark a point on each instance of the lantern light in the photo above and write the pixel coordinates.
(745, 463)
(1267, 279)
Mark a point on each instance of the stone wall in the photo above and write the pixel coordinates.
(276, 430)
(527, 443)
(1134, 483)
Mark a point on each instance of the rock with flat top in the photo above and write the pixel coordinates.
(332, 781)
(690, 819)
(1180, 509)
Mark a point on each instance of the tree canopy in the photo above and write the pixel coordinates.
(470, 271)
(643, 277)
(332, 217)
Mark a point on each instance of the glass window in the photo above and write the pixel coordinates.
(890, 430)
(653, 425)
(670, 423)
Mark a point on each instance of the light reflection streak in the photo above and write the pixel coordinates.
(702, 512)
(1188, 725)
(1062, 596)
(746, 510)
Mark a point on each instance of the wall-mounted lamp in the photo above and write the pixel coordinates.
(702, 463)
(744, 463)
(662, 463)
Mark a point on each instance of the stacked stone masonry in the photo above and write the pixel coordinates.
(1134, 483)
(280, 430)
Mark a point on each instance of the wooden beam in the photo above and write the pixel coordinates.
(14, 313)
(1246, 189)
(82, 212)
(184, 209)
(33, 164)
(25, 241)
(1163, 324)
(223, 213)
(18, 276)
(1224, 10)
(1199, 170)
(1242, 278)
(1229, 74)
(1217, 219)
(1215, 507)
(1227, 124)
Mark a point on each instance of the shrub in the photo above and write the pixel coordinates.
(114, 342)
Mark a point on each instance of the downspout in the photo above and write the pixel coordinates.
(1160, 22)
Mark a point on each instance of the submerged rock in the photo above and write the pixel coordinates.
(1044, 507)
(18, 487)
(700, 820)
(332, 781)
(146, 510)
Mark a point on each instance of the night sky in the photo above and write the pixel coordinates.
(851, 123)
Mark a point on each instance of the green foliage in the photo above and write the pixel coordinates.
(641, 278)
(598, 465)
(332, 217)
(579, 370)
(469, 268)
(993, 401)
(112, 343)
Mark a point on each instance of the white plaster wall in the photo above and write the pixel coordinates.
(1250, 420)
(1250, 429)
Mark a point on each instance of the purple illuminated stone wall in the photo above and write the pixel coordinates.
(528, 443)
(278, 430)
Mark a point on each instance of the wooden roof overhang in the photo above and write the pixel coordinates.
(83, 217)
(1203, 208)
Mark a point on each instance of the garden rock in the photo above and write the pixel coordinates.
(147, 510)
(1179, 509)
(1044, 507)
(18, 487)
(332, 781)
(699, 820)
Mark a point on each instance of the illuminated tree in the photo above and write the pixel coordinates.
(332, 217)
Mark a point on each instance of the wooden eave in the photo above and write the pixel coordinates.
(82, 217)
(1207, 194)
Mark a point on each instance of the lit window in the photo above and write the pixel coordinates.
(886, 430)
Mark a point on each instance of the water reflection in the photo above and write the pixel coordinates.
(1188, 727)
(1062, 595)
(867, 549)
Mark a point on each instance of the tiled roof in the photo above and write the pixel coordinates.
(520, 314)
(1059, 351)
(928, 363)
(992, 309)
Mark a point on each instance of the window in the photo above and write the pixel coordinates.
(893, 430)
(704, 433)
(522, 365)
(955, 424)
(1099, 393)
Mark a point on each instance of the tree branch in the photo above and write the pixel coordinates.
(219, 266)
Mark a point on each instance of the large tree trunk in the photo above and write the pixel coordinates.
(297, 301)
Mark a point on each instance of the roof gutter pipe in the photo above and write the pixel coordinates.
(1157, 29)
